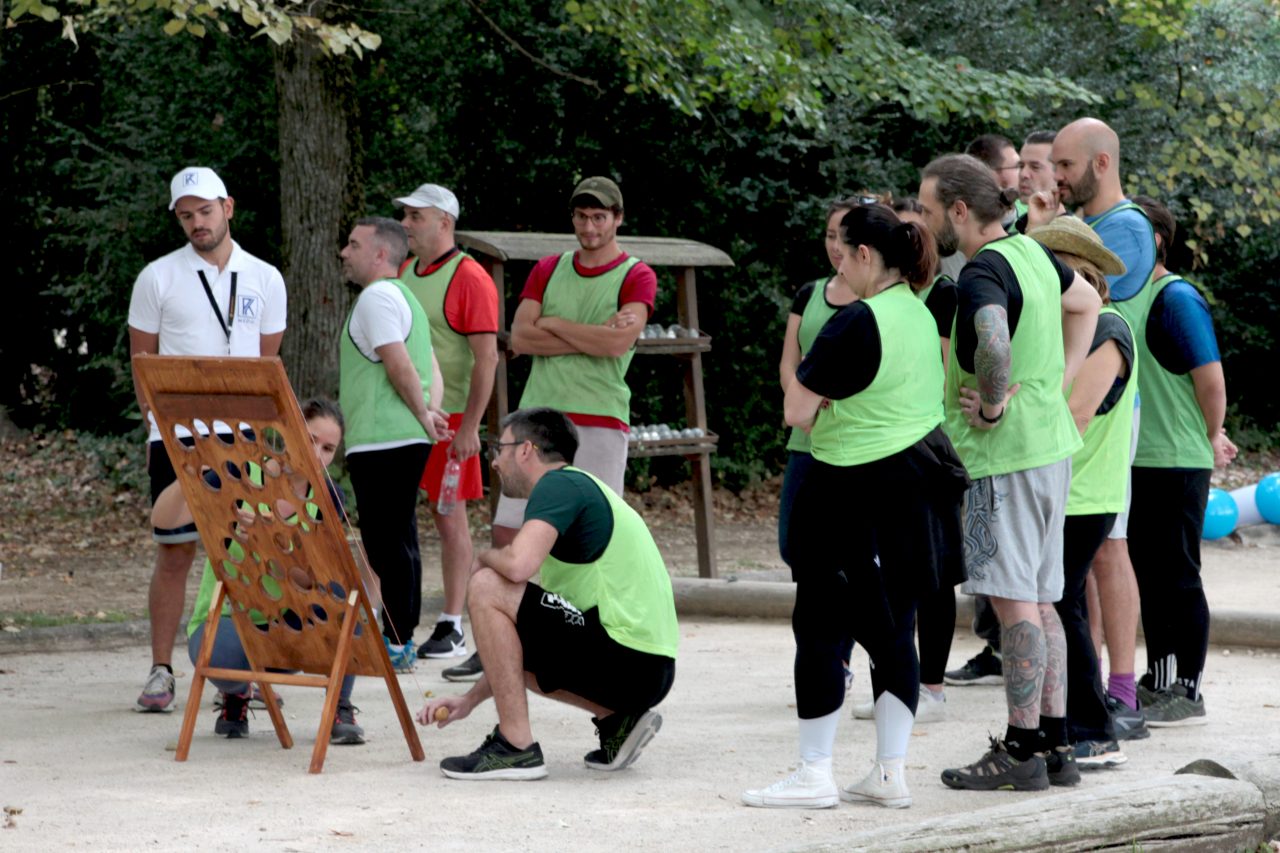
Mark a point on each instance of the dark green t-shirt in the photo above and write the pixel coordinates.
(571, 502)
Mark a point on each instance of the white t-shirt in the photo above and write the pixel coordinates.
(381, 316)
(169, 300)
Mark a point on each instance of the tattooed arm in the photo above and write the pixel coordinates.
(991, 362)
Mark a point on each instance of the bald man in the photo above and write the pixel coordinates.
(1086, 160)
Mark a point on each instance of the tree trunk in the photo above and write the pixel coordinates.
(321, 193)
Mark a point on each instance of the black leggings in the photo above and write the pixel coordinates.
(936, 624)
(1087, 717)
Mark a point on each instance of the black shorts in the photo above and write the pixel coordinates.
(160, 470)
(569, 650)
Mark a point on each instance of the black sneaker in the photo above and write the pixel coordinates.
(622, 736)
(256, 701)
(469, 670)
(999, 771)
(497, 759)
(233, 719)
(446, 642)
(345, 728)
(1060, 766)
(983, 668)
(1129, 723)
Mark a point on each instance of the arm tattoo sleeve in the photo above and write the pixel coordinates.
(991, 358)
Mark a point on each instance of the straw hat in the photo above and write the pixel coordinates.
(1071, 235)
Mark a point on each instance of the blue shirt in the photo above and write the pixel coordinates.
(1129, 235)
(1180, 329)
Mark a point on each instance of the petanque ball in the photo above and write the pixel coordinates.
(1220, 515)
(1268, 498)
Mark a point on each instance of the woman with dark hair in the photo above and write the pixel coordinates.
(876, 521)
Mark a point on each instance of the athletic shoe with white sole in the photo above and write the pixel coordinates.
(1129, 723)
(884, 785)
(345, 728)
(497, 759)
(930, 708)
(999, 771)
(1175, 708)
(1099, 754)
(402, 657)
(446, 641)
(810, 787)
(622, 736)
(157, 694)
(469, 670)
(983, 668)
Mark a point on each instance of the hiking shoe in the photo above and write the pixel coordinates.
(999, 771)
(157, 693)
(810, 787)
(469, 670)
(622, 736)
(1174, 708)
(983, 668)
(402, 657)
(256, 701)
(1129, 723)
(1060, 766)
(446, 642)
(1099, 754)
(497, 759)
(233, 719)
(885, 785)
(345, 728)
(930, 708)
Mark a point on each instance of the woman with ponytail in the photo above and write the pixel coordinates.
(876, 522)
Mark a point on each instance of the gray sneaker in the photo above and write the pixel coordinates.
(345, 728)
(157, 694)
(1175, 708)
(469, 670)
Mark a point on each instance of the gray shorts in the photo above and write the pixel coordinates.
(1013, 534)
(1120, 530)
(601, 451)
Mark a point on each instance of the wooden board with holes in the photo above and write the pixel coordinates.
(260, 499)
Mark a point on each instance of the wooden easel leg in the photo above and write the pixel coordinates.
(277, 717)
(397, 701)
(341, 658)
(197, 679)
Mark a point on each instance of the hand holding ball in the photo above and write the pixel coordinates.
(442, 714)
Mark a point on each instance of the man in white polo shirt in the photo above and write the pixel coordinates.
(208, 298)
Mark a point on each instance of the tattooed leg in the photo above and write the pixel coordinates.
(1053, 696)
(1023, 647)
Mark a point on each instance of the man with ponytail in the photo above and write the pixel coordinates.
(867, 393)
(1024, 323)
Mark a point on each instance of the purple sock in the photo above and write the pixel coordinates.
(1123, 687)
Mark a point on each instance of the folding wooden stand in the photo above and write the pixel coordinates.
(297, 599)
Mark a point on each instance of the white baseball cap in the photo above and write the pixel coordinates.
(431, 195)
(198, 181)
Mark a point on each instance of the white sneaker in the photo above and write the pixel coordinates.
(810, 787)
(930, 708)
(885, 785)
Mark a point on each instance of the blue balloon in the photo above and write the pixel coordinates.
(1268, 498)
(1220, 515)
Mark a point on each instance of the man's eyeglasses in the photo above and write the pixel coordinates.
(495, 447)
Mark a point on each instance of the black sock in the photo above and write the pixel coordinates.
(165, 665)
(1053, 732)
(1021, 743)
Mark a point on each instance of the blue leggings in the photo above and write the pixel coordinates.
(229, 654)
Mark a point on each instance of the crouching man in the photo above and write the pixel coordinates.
(599, 634)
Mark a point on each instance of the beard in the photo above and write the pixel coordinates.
(514, 486)
(211, 240)
(1083, 191)
(947, 239)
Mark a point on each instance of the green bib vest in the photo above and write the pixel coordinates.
(628, 582)
(373, 409)
(1172, 432)
(1037, 428)
(904, 401)
(816, 314)
(928, 288)
(1100, 469)
(452, 348)
(577, 383)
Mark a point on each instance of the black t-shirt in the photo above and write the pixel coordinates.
(845, 357)
(988, 279)
(1113, 328)
(942, 304)
(805, 293)
(572, 503)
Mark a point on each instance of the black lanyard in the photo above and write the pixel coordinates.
(231, 304)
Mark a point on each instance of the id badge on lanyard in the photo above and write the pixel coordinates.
(217, 312)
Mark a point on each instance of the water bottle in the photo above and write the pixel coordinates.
(449, 486)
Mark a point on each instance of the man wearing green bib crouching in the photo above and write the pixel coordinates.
(599, 634)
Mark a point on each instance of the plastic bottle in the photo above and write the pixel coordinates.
(449, 486)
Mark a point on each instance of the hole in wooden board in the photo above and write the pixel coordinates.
(233, 470)
(178, 430)
(246, 433)
(223, 431)
(199, 428)
(291, 620)
(319, 613)
(271, 587)
(273, 440)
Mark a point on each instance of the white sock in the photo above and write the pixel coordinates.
(893, 727)
(456, 619)
(818, 737)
